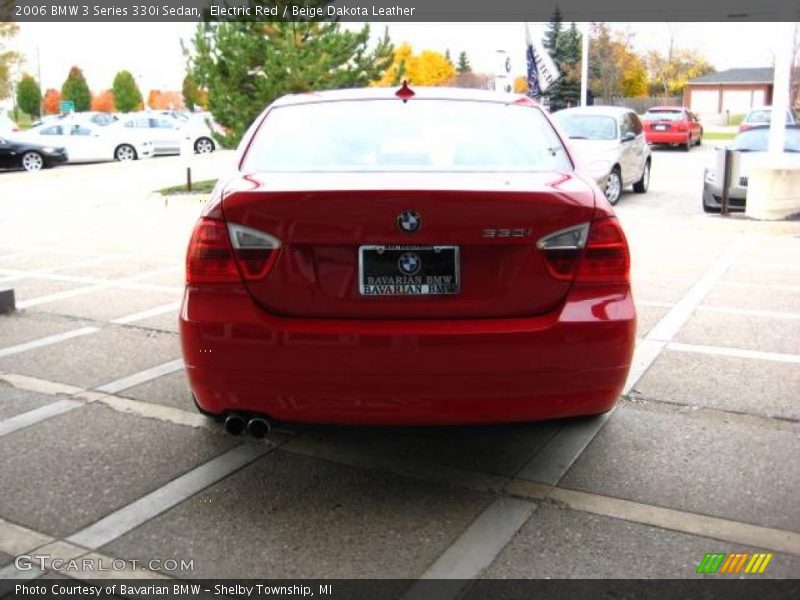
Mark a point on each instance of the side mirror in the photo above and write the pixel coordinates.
(628, 136)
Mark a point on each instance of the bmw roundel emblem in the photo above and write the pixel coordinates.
(409, 263)
(409, 221)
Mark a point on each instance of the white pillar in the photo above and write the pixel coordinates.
(585, 64)
(784, 34)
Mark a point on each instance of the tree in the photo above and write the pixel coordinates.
(564, 47)
(427, 68)
(104, 102)
(29, 95)
(51, 102)
(127, 96)
(191, 92)
(246, 65)
(463, 65)
(8, 59)
(76, 90)
(669, 72)
(614, 69)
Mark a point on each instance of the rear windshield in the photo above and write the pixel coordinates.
(757, 140)
(663, 115)
(419, 135)
(587, 127)
(765, 116)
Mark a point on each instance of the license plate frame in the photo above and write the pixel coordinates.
(424, 284)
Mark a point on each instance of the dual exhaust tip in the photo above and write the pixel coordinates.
(258, 427)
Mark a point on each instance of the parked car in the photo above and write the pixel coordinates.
(86, 142)
(422, 256)
(751, 144)
(610, 142)
(168, 133)
(763, 116)
(94, 117)
(672, 125)
(17, 154)
(7, 125)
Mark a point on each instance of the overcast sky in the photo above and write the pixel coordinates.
(152, 51)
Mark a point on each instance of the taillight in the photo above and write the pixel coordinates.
(216, 248)
(743, 127)
(594, 252)
(562, 249)
(606, 258)
(255, 250)
(683, 127)
(209, 258)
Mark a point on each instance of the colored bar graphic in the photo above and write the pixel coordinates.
(711, 562)
(722, 563)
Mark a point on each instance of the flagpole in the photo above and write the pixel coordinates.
(585, 65)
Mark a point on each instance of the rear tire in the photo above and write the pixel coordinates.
(125, 152)
(640, 187)
(613, 189)
(32, 161)
(688, 145)
(204, 146)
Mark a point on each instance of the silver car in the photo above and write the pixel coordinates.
(610, 142)
(750, 144)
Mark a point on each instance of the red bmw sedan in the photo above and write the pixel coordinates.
(413, 257)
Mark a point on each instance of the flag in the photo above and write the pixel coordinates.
(542, 71)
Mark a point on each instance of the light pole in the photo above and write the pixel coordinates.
(585, 64)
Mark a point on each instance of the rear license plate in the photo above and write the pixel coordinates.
(660, 127)
(408, 270)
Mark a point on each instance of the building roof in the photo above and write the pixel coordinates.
(748, 75)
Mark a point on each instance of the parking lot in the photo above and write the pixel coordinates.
(104, 455)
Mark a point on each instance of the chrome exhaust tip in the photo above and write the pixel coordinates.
(235, 425)
(258, 427)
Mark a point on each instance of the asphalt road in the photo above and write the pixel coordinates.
(104, 456)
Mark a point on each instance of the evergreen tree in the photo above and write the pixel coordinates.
(564, 47)
(29, 96)
(76, 90)
(463, 64)
(127, 96)
(246, 65)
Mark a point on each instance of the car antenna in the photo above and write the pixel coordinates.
(405, 92)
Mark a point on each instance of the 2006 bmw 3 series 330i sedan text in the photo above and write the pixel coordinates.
(388, 256)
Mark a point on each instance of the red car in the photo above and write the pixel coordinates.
(673, 125)
(385, 257)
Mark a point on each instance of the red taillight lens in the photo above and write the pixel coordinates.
(743, 127)
(606, 258)
(683, 127)
(216, 248)
(593, 253)
(209, 258)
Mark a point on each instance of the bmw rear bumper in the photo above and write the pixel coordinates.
(572, 361)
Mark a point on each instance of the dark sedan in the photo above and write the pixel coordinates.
(15, 154)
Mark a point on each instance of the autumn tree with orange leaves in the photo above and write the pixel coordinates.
(51, 101)
(104, 101)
